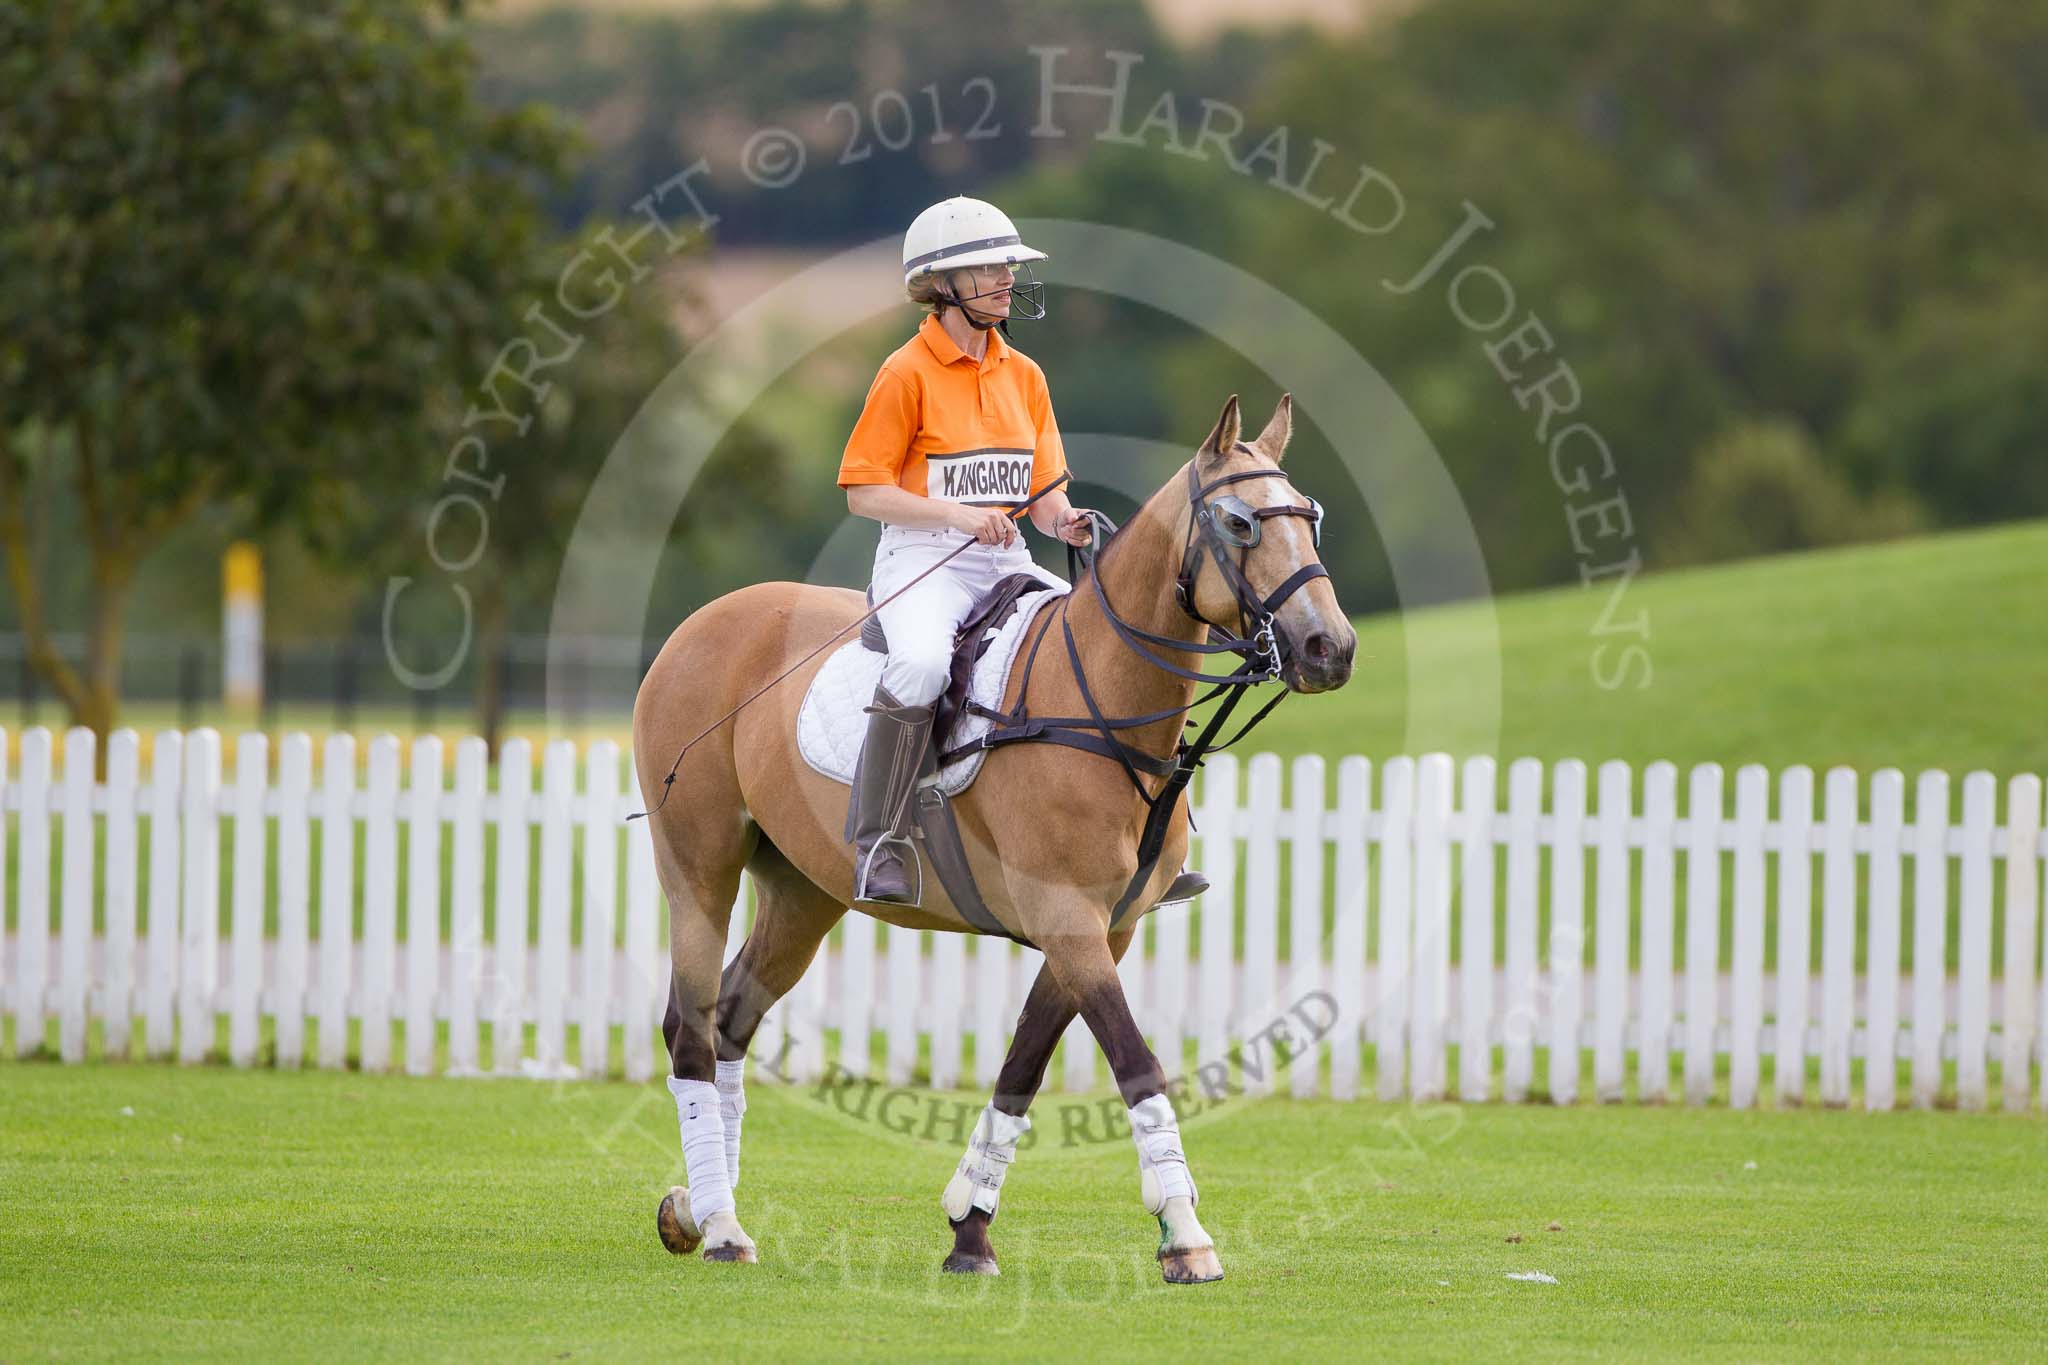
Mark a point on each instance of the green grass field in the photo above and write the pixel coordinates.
(341, 1215)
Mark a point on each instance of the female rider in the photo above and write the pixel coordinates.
(956, 434)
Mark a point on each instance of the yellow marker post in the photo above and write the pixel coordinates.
(241, 617)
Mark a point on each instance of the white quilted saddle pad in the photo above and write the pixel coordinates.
(832, 722)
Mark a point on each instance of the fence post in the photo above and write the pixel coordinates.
(1396, 945)
(1218, 905)
(1973, 949)
(511, 919)
(380, 902)
(1881, 1035)
(166, 847)
(1838, 935)
(1746, 1016)
(74, 976)
(1795, 928)
(294, 782)
(1169, 986)
(1261, 922)
(466, 905)
(1432, 956)
(948, 961)
(32, 925)
(991, 979)
(600, 903)
(558, 795)
(1610, 929)
(1305, 978)
(1660, 861)
(1518, 1024)
(2022, 917)
(422, 901)
(1567, 925)
(856, 1000)
(1475, 939)
(200, 921)
(337, 895)
(647, 974)
(905, 948)
(123, 754)
(1347, 948)
(252, 778)
(1930, 934)
(1702, 929)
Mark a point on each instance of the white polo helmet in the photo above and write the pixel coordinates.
(960, 232)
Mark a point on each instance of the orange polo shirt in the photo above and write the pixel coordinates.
(943, 426)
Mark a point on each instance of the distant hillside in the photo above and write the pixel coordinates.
(1184, 19)
(1928, 653)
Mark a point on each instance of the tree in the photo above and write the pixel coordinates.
(245, 248)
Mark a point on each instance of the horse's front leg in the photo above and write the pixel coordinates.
(1083, 972)
(972, 1194)
(1086, 970)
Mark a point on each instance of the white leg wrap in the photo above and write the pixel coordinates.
(697, 1108)
(1162, 1165)
(732, 1107)
(978, 1184)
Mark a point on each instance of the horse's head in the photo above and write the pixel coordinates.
(1251, 553)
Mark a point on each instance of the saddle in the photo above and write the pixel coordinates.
(969, 644)
(935, 826)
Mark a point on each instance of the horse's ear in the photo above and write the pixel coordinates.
(1224, 438)
(1272, 442)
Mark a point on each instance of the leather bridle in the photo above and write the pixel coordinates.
(1228, 523)
(1255, 640)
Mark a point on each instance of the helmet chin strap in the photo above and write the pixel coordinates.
(952, 300)
(1027, 293)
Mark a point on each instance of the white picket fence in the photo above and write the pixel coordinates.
(1449, 931)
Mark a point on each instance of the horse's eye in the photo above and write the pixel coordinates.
(1236, 525)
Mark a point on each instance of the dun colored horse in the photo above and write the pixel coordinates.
(1053, 836)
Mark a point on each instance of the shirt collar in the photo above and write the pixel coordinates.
(945, 352)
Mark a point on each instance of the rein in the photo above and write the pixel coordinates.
(1255, 642)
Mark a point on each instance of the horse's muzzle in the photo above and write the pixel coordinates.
(1319, 661)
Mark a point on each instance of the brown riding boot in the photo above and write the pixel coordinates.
(896, 751)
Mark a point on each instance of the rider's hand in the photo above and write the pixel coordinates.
(989, 525)
(1073, 526)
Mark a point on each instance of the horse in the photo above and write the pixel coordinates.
(1054, 837)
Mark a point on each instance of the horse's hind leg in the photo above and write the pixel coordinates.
(698, 854)
(972, 1194)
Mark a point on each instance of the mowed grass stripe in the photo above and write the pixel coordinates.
(242, 1215)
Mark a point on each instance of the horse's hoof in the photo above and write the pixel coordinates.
(732, 1253)
(726, 1242)
(972, 1252)
(956, 1264)
(672, 1220)
(1196, 1265)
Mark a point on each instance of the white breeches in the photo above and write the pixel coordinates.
(921, 624)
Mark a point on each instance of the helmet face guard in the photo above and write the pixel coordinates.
(1027, 298)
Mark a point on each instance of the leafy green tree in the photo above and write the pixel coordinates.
(1826, 214)
(245, 250)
